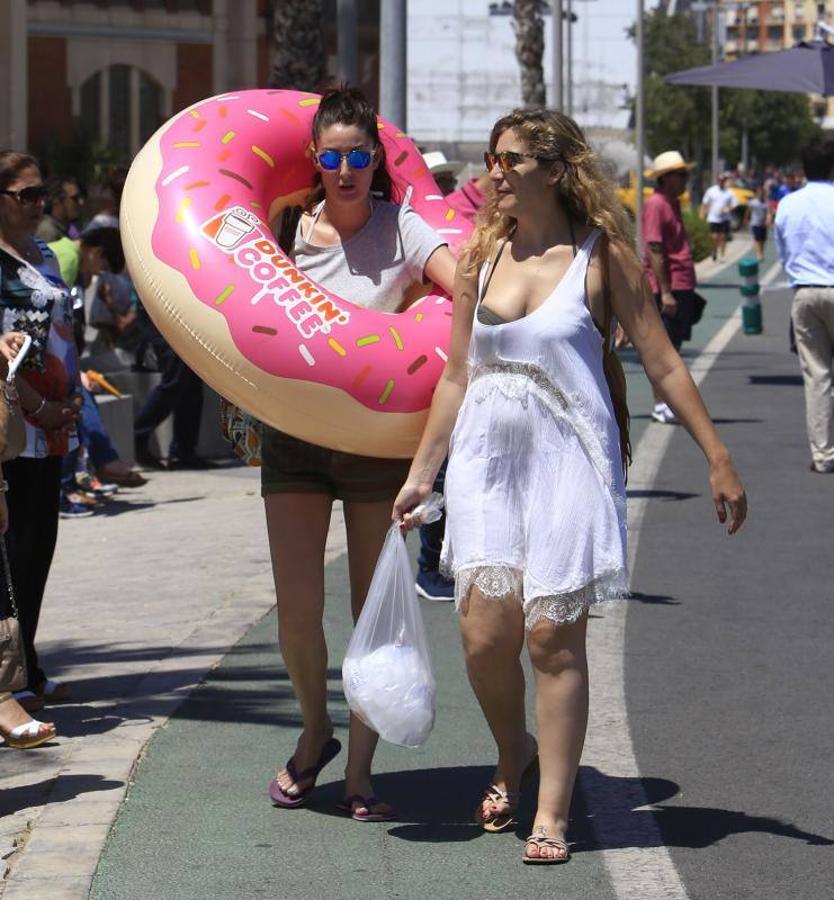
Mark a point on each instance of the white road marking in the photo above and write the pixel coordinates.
(644, 870)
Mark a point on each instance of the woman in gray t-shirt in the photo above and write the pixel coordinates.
(371, 252)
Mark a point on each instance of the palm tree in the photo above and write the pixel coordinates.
(298, 52)
(529, 47)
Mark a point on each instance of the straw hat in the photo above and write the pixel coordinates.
(669, 161)
(437, 163)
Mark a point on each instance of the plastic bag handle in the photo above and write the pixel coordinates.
(430, 510)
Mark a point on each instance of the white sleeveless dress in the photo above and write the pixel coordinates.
(535, 492)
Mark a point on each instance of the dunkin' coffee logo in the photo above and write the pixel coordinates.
(238, 232)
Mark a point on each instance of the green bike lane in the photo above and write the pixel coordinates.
(196, 822)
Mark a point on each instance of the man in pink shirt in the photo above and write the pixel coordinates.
(667, 257)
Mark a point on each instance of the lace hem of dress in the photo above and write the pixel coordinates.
(498, 582)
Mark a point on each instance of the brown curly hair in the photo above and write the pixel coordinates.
(587, 197)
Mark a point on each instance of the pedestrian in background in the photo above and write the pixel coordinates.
(667, 258)
(805, 236)
(760, 217)
(717, 207)
(35, 301)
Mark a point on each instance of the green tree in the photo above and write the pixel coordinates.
(674, 116)
(778, 124)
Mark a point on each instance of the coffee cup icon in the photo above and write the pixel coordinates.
(233, 229)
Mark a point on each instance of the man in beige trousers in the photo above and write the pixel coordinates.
(805, 235)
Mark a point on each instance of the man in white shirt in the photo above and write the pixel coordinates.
(718, 205)
(805, 235)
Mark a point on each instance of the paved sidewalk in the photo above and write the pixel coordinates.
(134, 646)
(142, 601)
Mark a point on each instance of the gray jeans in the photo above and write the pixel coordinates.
(813, 323)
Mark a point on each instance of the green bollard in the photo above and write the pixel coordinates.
(751, 311)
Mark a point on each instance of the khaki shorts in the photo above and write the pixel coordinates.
(292, 466)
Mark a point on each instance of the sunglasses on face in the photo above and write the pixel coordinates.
(330, 160)
(34, 194)
(509, 159)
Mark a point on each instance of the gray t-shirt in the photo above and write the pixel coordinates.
(758, 211)
(376, 266)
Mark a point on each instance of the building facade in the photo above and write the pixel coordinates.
(115, 71)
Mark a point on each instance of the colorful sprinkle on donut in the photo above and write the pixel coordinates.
(396, 335)
(383, 397)
(228, 136)
(335, 345)
(306, 355)
(264, 329)
(175, 174)
(264, 156)
(224, 295)
(236, 177)
(421, 360)
(363, 373)
(194, 256)
(367, 340)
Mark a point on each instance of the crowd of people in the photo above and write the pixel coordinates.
(527, 436)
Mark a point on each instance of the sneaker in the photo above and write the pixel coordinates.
(70, 510)
(434, 586)
(826, 468)
(663, 414)
(92, 485)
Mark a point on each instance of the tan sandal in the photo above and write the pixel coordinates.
(498, 821)
(539, 838)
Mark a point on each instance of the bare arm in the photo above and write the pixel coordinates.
(440, 268)
(661, 273)
(634, 308)
(448, 396)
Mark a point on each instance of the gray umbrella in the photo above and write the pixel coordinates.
(807, 68)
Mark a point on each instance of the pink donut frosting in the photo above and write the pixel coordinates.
(229, 161)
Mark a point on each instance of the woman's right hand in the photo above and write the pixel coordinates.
(10, 344)
(411, 494)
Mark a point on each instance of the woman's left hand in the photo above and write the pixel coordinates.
(727, 489)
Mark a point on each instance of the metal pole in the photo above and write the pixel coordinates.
(392, 62)
(639, 125)
(558, 86)
(569, 57)
(714, 98)
(347, 39)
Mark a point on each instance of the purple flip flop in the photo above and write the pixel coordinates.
(346, 807)
(280, 797)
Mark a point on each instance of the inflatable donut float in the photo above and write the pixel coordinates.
(195, 218)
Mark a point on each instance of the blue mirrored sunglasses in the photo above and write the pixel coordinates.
(356, 159)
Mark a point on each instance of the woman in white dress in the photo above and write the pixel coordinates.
(531, 410)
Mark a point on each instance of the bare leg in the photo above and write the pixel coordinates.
(561, 671)
(297, 525)
(366, 525)
(493, 635)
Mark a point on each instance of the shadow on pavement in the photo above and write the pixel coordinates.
(659, 599)
(66, 788)
(792, 380)
(659, 495)
(621, 820)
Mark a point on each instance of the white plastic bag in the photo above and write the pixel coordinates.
(387, 673)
